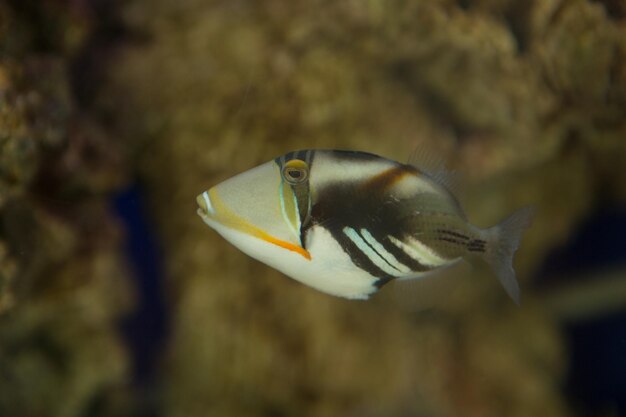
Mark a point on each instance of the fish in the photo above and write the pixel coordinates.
(348, 222)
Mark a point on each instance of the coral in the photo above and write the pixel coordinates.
(63, 283)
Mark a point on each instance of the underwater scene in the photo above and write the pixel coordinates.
(312, 208)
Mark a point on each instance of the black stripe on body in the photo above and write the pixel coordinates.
(403, 257)
(348, 204)
(474, 245)
(374, 249)
(359, 258)
(477, 245)
(453, 234)
(450, 240)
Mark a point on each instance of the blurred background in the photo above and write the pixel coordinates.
(116, 300)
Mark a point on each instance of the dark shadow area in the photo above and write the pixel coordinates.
(145, 329)
(596, 382)
(600, 242)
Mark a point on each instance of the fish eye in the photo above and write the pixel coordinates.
(296, 171)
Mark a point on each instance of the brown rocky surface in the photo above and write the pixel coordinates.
(63, 279)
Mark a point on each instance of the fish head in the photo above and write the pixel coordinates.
(263, 206)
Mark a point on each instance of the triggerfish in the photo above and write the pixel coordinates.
(347, 222)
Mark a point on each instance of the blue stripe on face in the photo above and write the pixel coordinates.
(281, 193)
(207, 201)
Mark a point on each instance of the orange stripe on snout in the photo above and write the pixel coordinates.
(286, 245)
(230, 219)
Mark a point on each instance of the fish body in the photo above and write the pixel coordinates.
(348, 222)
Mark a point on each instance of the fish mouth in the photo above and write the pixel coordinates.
(205, 207)
(217, 215)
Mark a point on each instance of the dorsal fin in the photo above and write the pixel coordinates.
(427, 162)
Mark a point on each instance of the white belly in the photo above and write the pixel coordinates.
(329, 270)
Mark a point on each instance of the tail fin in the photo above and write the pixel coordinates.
(503, 240)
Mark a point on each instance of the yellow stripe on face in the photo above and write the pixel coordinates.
(226, 217)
